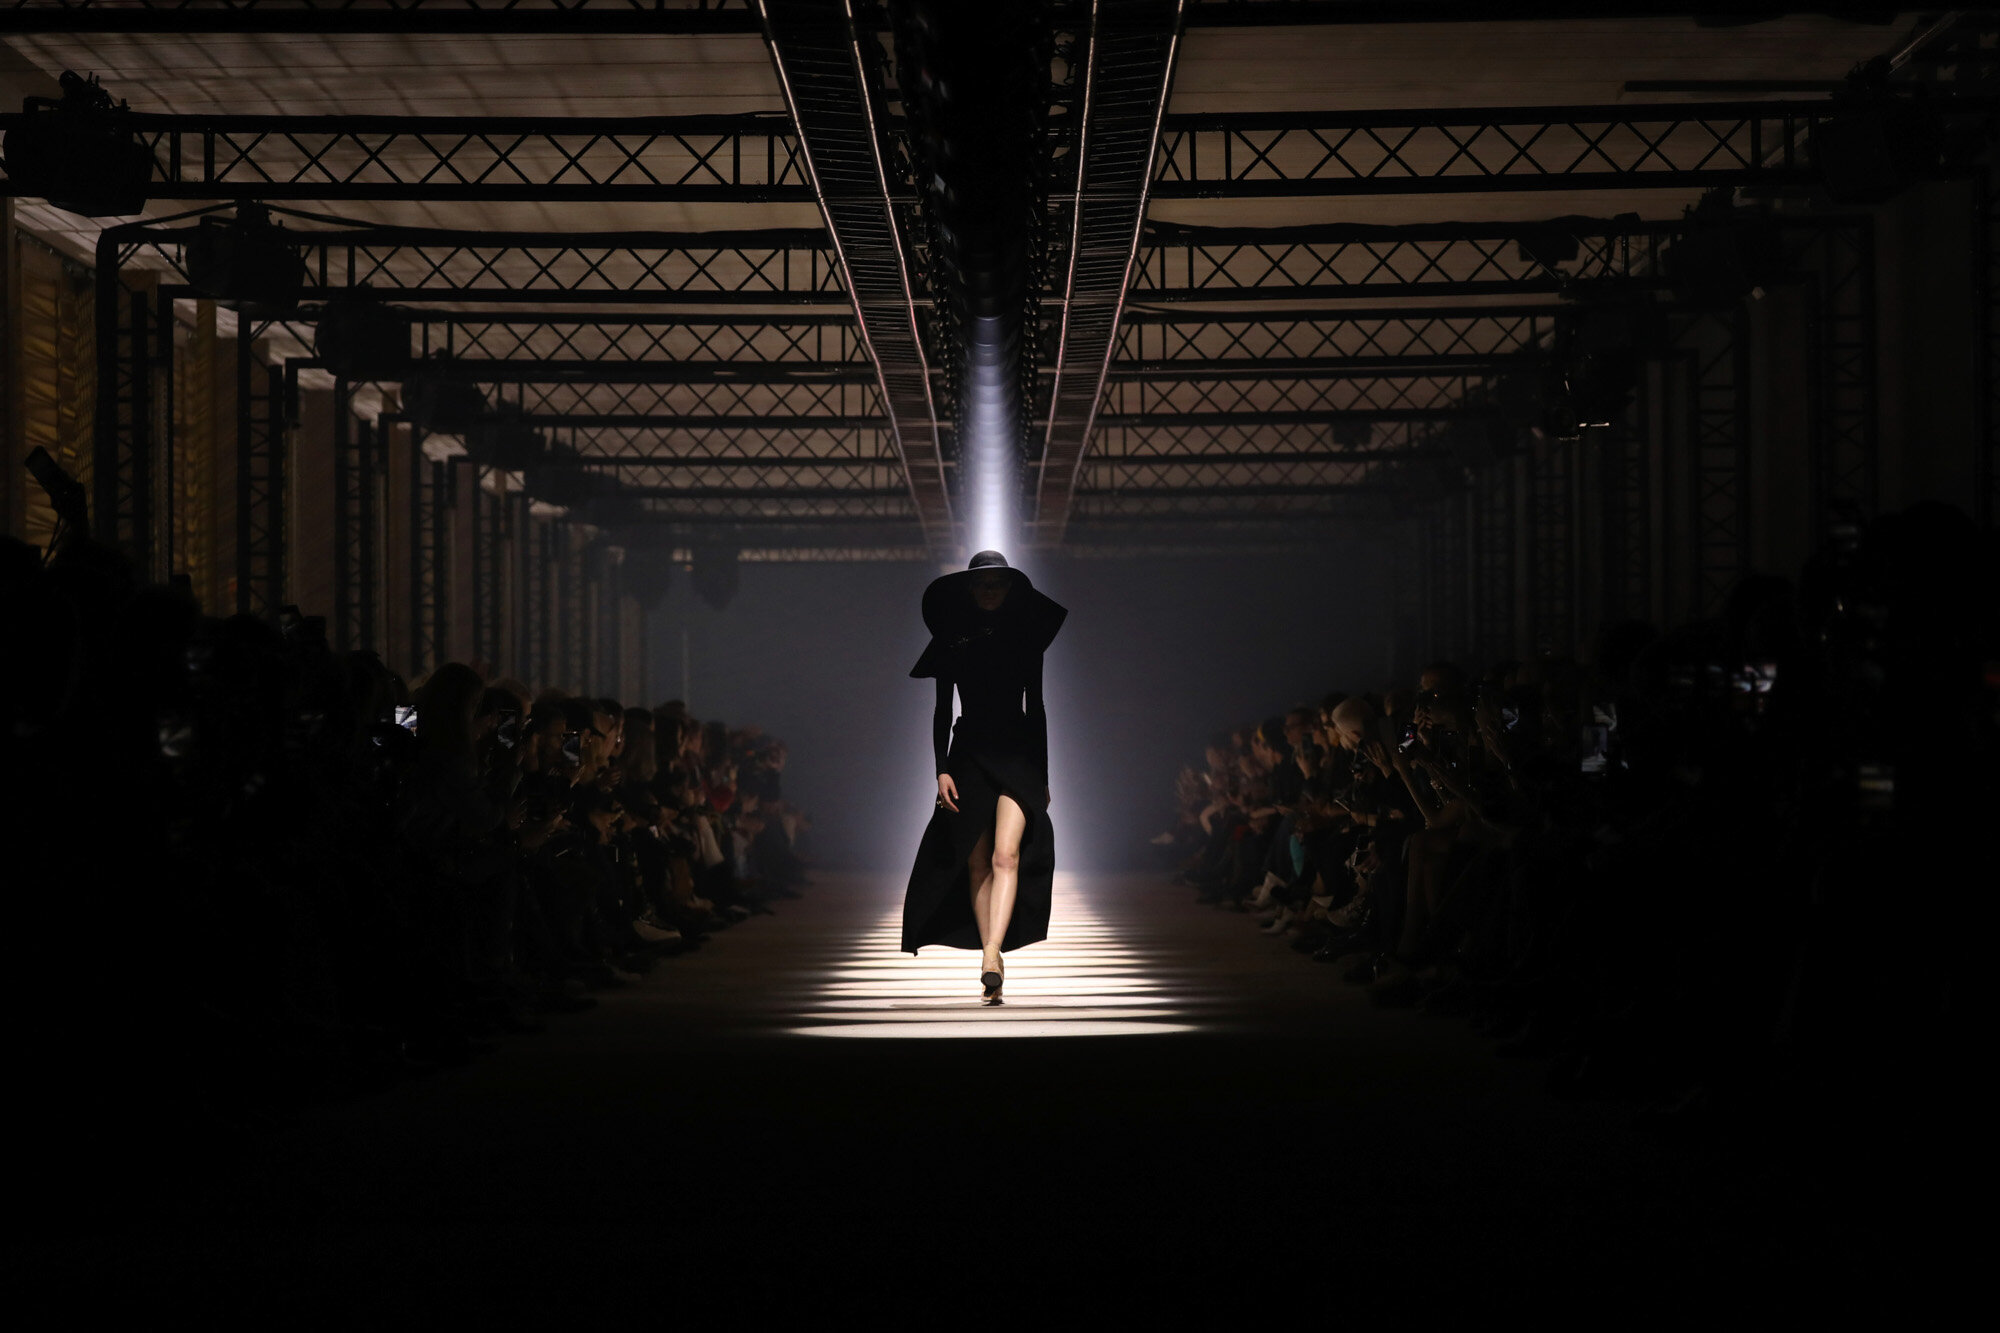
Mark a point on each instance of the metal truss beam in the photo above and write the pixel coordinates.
(1493, 541)
(1178, 435)
(719, 461)
(1362, 392)
(794, 403)
(497, 371)
(430, 493)
(260, 479)
(829, 71)
(340, 17)
(488, 159)
(1209, 420)
(1625, 468)
(1986, 403)
(1552, 581)
(787, 339)
(1130, 64)
(1842, 418)
(356, 514)
(490, 536)
(1456, 150)
(703, 18)
(764, 268)
(1717, 355)
(1355, 261)
(129, 332)
(659, 421)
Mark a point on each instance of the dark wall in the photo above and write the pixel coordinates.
(1157, 653)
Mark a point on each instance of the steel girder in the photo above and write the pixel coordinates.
(1358, 392)
(336, 17)
(1255, 343)
(793, 266)
(647, 159)
(617, 340)
(1342, 260)
(1842, 418)
(534, 592)
(356, 517)
(1552, 563)
(1625, 505)
(1493, 541)
(828, 69)
(1717, 359)
(430, 498)
(1986, 402)
(491, 531)
(1700, 145)
(1130, 55)
(131, 332)
(640, 18)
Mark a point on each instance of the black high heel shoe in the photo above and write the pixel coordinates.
(992, 982)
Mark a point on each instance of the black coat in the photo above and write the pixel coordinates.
(999, 745)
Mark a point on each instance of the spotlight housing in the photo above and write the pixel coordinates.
(507, 442)
(715, 575)
(359, 337)
(1725, 255)
(80, 152)
(437, 405)
(247, 260)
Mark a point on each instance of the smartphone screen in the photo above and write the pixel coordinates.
(406, 717)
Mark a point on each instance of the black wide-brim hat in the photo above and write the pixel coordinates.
(1028, 618)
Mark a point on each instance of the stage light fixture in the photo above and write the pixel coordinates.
(558, 480)
(359, 337)
(715, 574)
(80, 152)
(438, 405)
(247, 260)
(1884, 138)
(507, 442)
(1725, 255)
(645, 576)
(1601, 351)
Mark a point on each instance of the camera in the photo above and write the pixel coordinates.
(507, 731)
(572, 748)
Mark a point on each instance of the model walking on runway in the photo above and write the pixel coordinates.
(986, 867)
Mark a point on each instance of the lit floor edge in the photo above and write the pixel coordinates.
(989, 1028)
(1085, 980)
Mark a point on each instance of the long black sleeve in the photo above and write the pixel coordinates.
(1038, 715)
(941, 722)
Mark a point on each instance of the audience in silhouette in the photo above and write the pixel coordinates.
(288, 878)
(1673, 871)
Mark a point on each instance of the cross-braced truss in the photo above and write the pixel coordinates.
(415, 264)
(1266, 154)
(1179, 264)
(483, 159)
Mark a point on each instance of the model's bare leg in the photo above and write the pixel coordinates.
(979, 867)
(1009, 823)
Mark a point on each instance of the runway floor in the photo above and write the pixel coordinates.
(1169, 1102)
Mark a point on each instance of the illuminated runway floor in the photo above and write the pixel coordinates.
(797, 1103)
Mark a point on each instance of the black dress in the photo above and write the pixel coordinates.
(1000, 744)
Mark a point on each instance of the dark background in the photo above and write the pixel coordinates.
(1157, 653)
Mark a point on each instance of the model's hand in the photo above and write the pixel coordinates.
(948, 792)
